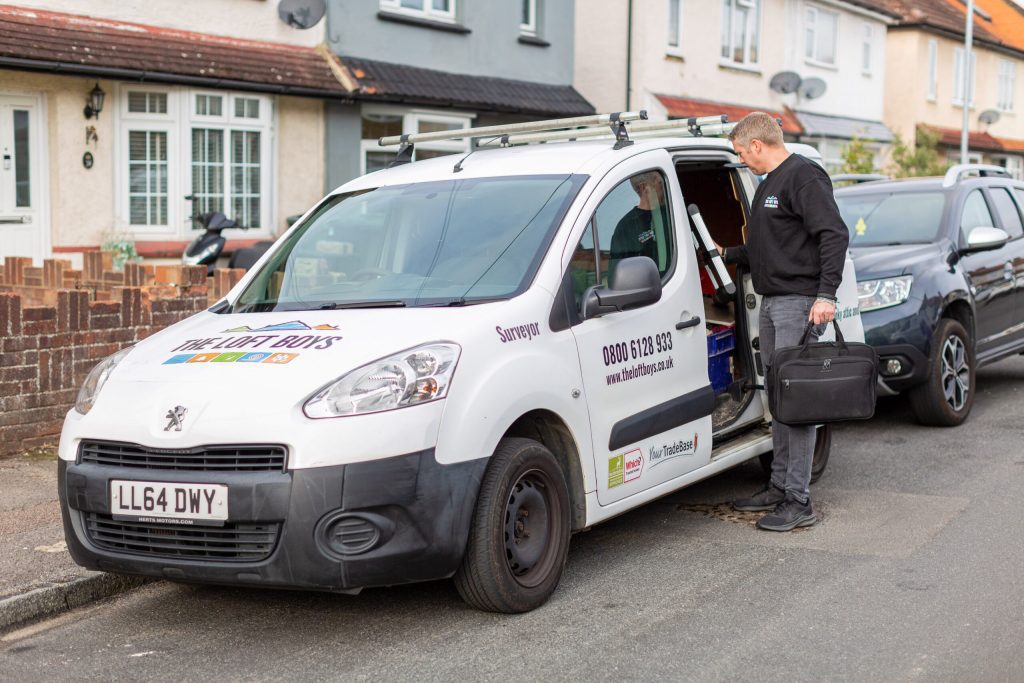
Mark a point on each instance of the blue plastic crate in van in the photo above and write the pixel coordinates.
(721, 344)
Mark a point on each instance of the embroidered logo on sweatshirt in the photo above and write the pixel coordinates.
(772, 202)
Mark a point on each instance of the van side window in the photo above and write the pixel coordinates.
(583, 265)
(1007, 210)
(975, 215)
(635, 220)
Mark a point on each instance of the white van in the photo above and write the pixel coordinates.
(444, 369)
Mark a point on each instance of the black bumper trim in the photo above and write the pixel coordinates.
(908, 355)
(425, 506)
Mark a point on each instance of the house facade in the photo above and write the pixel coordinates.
(819, 66)
(119, 119)
(926, 62)
(427, 65)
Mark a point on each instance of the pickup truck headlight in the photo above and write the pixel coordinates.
(95, 380)
(890, 291)
(408, 378)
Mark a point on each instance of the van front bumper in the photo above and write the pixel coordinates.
(343, 528)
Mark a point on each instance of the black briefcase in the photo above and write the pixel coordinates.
(822, 382)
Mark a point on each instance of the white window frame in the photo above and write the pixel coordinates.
(933, 70)
(677, 49)
(530, 27)
(178, 123)
(958, 77)
(953, 157)
(867, 54)
(812, 27)
(411, 119)
(753, 25)
(1006, 90)
(428, 11)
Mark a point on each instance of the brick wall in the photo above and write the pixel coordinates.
(56, 323)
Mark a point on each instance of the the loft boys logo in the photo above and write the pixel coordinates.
(772, 202)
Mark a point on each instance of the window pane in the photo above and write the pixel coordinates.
(375, 161)
(755, 35)
(726, 28)
(1007, 211)
(976, 214)
(147, 102)
(634, 220)
(381, 126)
(22, 180)
(826, 49)
(245, 177)
(525, 18)
(421, 154)
(442, 5)
(147, 177)
(412, 4)
(738, 31)
(247, 108)
(673, 23)
(208, 169)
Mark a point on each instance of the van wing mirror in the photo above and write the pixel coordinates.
(985, 238)
(712, 259)
(635, 282)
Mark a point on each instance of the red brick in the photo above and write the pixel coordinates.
(10, 315)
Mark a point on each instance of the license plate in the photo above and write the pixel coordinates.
(170, 503)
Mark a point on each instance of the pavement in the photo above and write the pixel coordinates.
(37, 575)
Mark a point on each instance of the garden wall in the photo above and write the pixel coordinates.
(56, 323)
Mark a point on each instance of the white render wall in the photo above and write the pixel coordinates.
(700, 73)
(248, 19)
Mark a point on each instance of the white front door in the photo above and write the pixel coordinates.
(21, 172)
(645, 370)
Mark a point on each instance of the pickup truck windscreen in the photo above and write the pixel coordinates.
(892, 218)
(447, 242)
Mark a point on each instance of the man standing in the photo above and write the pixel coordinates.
(795, 250)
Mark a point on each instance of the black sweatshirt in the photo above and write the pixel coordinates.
(797, 241)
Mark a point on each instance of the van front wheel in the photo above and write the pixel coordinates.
(519, 538)
(822, 448)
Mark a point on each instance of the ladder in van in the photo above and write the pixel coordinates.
(623, 127)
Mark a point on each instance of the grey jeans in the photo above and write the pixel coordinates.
(782, 322)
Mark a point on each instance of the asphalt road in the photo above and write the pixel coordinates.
(916, 572)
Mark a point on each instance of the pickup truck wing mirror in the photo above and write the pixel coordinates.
(635, 282)
(985, 238)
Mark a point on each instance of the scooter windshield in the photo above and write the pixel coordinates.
(420, 244)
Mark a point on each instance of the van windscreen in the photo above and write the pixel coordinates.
(419, 244)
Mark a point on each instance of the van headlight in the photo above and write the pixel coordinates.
(890, 291)
(95, 380)
(408, 378)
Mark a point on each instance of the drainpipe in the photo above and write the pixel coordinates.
(968, 40)
(629, 52)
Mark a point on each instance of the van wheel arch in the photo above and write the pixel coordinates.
(550, 430)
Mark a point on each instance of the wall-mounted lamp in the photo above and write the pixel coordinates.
(94, 105)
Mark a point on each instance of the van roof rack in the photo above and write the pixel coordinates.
(953, 175)
(595, 126)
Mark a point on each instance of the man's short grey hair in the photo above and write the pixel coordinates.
(757, 126)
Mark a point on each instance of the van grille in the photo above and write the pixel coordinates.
(233, 542)
(219, 458)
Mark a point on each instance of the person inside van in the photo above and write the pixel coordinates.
(636, 233)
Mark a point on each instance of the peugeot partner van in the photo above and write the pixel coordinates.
(444, 369)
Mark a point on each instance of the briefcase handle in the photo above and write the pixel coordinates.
(805, 340)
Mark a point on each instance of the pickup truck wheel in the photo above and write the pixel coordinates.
(822, 448)
(946, 397)
(519, 537)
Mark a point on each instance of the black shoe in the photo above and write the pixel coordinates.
(789, 515)
(766, 499)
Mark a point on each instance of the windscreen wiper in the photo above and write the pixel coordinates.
(463, 301)
(382, 303)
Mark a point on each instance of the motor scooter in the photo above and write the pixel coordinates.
(204, 249)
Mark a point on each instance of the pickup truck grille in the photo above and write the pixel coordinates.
(219, 458)
(233, 542)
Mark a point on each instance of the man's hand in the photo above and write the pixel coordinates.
(822, 312)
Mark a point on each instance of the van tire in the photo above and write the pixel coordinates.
(502, 570)
(822, 448)
(928, 401)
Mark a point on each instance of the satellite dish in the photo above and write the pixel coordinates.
(301, 14)
(989, 116)
(785, 82)
(812, 87)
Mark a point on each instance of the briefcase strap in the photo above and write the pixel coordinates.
(805, 340)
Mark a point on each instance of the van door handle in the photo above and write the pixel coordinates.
(692, 322)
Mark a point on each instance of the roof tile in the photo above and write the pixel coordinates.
(681, 108)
